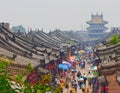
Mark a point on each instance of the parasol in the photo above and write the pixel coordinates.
(73, 70)
(93, 68)
(68, 65)
(81, 79)
(62, 66)
(65, 62)
(81, 51)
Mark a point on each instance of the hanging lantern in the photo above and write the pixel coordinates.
(107, 88)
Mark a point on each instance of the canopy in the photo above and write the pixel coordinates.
(93, 74)
(73, 70)
(89, 48)
(62, 66)
(75, 52)
(72, 58)
(81, 79)
(93, 68)
(90, 76)
(67, 64)
(81, 51)
(72, 62)
(76, 58)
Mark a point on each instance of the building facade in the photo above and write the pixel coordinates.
(97, 26)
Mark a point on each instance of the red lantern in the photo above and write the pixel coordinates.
(107, 88)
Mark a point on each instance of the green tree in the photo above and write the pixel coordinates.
(20, 28)
(29, 67)
(114, 40)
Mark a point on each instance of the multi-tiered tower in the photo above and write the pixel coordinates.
(97, 28)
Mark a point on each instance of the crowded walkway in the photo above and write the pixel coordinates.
(87, 88)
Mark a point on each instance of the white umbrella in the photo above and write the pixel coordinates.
(81, 79)
(90, 76)
(65, 62)
(95, 68)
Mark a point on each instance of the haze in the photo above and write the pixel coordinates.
(61, 14)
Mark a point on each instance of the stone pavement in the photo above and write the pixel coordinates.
(82, 72)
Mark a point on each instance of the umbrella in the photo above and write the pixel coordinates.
(72, 58)
(65, 62)
(76, 58)
(93, 74)
(72, 62)
(81, 79)
(68, 65)
(81, 51)
(75, 52)
(89, 48)
(62, 66)
(90, 76)
(73, 70)
(93, 68)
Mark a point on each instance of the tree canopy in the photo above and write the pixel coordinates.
(114, 40)
(20, 28)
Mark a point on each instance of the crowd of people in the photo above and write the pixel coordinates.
(75, 80)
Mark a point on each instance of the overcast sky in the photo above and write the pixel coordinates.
(61, 14)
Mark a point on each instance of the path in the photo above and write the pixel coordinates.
(82, 72)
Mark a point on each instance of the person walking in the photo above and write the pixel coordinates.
(83, 88)
(67, 86)
(79, 74)
(75, 86)
(85, 78)
(72, 90)
(84, 64)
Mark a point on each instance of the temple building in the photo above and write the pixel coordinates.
(97, 26)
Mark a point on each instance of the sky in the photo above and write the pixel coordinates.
(58, 14)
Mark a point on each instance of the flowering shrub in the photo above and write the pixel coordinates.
(21, 86)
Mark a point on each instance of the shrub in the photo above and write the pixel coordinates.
(114, 40)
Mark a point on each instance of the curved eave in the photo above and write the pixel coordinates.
(93, 23)
(91, 28)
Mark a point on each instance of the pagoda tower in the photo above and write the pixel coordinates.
(97, 26)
